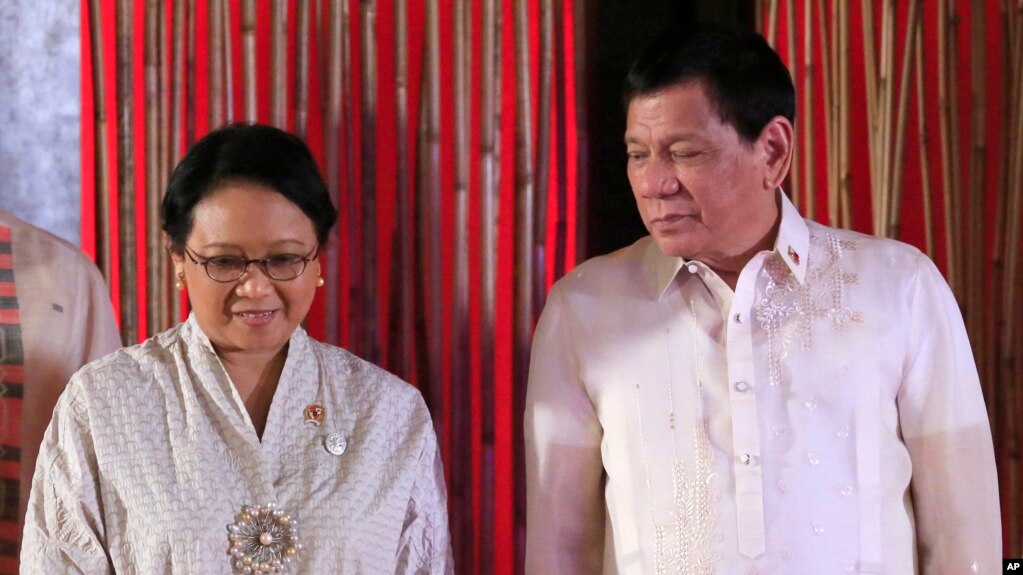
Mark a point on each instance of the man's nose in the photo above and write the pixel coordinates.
(661, 180)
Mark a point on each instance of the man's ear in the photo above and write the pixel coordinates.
(776, 140)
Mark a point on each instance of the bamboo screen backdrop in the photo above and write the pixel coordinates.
(452, 135)
(448, 131)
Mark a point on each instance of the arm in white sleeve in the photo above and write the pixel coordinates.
(945, 425)
(564, 473)
(424, 547)
(64, 530)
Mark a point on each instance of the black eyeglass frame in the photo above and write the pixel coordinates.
(263, 263)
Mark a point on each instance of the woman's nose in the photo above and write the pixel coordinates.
(254, 283)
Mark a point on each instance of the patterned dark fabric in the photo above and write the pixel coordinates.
(12, 380)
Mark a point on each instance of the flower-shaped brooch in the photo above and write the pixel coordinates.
(262, 539)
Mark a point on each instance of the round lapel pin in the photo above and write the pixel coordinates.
(335, 443)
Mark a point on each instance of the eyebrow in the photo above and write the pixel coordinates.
(230, 245)
(672, 138)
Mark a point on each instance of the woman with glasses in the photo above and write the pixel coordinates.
(234, 443)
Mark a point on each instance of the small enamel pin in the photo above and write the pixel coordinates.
(313, 414)
(793, 256)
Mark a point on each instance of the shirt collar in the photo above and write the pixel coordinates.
(792, 245)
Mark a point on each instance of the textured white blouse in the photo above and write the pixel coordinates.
(151, 454)
(823, 418)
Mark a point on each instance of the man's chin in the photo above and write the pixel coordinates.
(675, 246)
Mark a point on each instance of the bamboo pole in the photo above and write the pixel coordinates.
(432, 246)
(584, 71)
(403, 332)
(188, 105)
(827, 62)
(843, 117)
(229, 78)
(461, 394)
(165, 72)
(176, 113)
(365, 290)
(336, 67)
(490, 192)
(215, 40)
(525, 191)
(279, 65)
(887, 89)
(248, 33)
(978, 317)
(955, 157)
(301, 86)
(102, 161)
(809, 177)
(562, 161)
(126, 174)
(157, 297)
(874, 117)
(772, 23)
(925, 170)
(795, 187)
(352, 154)
(947, 155)
(895, 164)
(1012, 355)
(543, 149)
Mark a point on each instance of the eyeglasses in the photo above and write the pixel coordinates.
(226, 269)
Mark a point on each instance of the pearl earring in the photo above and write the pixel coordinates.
(180, 283)
(320, 282)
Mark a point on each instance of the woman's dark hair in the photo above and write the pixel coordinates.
(258, 154)
(745, 80)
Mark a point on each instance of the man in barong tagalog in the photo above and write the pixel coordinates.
(744, 390)
(234, 443)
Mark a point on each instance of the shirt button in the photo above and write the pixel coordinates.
(742, 387)
(692, 268)
(738, 318)
(746, 459)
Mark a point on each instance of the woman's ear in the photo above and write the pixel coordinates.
(777, 141)
(177, 256)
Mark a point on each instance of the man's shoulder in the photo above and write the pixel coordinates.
(621, 268)
(39, 245)
(864, 249)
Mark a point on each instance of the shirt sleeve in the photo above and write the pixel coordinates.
(63, 524)
(424, 547)
(565, 508)
(945, 426)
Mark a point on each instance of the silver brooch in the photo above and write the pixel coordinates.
(262, 539)
(335, 443)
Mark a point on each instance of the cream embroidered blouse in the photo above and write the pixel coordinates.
(826, 417)
(151, 454)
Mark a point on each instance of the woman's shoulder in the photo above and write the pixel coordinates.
(128, 363)
(363, 383)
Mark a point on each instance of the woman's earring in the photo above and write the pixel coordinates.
(180, 283)
(320, 282)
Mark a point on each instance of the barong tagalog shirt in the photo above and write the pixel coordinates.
(151, 454)
(825, 417)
